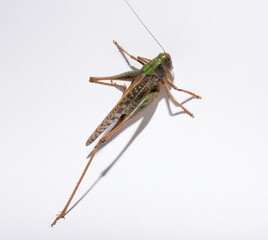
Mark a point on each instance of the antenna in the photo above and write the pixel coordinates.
(145, 26)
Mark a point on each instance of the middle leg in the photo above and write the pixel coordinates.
(126, 76)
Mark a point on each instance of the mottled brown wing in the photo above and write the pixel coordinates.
(137, 89)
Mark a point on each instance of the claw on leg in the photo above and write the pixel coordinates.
(59, 216)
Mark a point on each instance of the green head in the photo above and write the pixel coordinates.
(159, 65)
(166, 60)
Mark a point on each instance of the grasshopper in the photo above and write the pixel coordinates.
(144, 88)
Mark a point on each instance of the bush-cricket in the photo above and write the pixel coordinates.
(144, 87)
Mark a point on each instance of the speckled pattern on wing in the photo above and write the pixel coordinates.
(140, 86)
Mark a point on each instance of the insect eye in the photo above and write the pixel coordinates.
(169, 63)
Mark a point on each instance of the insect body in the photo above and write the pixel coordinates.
(144, 87)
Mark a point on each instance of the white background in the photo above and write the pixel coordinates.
(180, 178)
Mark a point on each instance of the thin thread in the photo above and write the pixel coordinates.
(145, 26)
